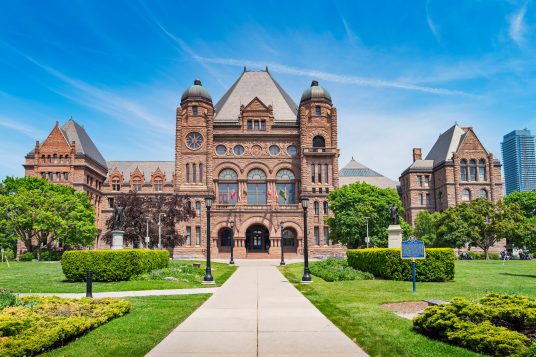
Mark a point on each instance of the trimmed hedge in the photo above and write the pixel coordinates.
(112, 265)
(386, 263)
(333, 269)
(500, 325)
(36, 324)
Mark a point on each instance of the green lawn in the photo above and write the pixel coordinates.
(47, 277)
(148, 322)
(354, 306)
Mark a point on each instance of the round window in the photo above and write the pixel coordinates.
(194, 140)
(292, 150)
(221, 149)
(238, 150)
(274, 150)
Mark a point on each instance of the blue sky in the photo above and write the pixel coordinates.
(400, 72)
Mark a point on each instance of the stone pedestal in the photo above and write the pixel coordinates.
(395, 236)
(117, 239)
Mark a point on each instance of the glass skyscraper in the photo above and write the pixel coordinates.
(519, 161)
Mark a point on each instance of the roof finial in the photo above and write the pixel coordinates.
(353, 158)
(266, 68)
(197, 82)
(314, 83)
(245, 69)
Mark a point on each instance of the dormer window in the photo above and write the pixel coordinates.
(318, 111)
(116, 185)
(195, 110)
(158, 184)
(256, 124)
(136, 185)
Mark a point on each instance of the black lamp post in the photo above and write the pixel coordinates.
(231, 224)
(208, 279)
(281, 242)
(306, 276)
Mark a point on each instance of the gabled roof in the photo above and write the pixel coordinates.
(145, 167)
(446, 144)
(84, 145)
(256, 84)
(355, 171)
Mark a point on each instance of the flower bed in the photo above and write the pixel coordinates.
(499, 325)
(35, 324)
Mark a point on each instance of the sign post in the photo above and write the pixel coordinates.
(413, 249)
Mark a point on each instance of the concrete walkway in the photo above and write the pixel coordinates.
(119, 294)
(257, 312)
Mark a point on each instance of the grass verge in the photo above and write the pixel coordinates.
(47, 277)
(354, 306)
(135, 334)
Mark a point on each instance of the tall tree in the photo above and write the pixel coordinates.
(40, 214)
(481, 223)
(351, 204)
(143, 210)
(426, 227)
(525, 200)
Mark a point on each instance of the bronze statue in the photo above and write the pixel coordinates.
(394, 214)
(119, 218)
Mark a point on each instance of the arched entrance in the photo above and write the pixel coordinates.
(257, 239)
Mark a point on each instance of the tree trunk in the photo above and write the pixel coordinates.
(486, 254)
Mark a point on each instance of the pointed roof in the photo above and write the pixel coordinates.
(126, 168)
(446, 144)
(253, 84)
(84, 145)
(355, 171)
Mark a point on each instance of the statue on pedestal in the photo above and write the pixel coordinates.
(119, 218)
(394, 215)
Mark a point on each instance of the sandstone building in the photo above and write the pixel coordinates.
(255, 151)
(458, 168)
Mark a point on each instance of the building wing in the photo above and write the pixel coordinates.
(357, 172)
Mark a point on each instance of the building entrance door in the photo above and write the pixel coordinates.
(257, 239)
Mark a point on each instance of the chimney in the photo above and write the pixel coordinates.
(417, 154)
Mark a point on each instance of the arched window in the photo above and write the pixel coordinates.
(200, 173)
(49, 159)
(472, 170)
(256, 187)
(289, 237)
(285, 187)
(51, 176)
(481, 170)
(61, 159)
(66, 159)
(316, 207)
(484, 193)
(319, 142)
(225, 237)
(55, 158)
(325, 206)
(187, 173)
(136, 184)
(158, 184)
(66, 176)
(228, 187)
(43, 159)
(116, 185)
(463, 170)
(466, 195)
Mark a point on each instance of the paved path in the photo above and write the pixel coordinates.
(257, 312)
(130, 293)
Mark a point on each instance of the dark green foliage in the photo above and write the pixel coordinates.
(35, 324)
(499, 325)
(9, 254)
(333, 269)
(26, 257)
(112, 265)
(426, 227)
(7, 299)
(386, 263)
(525, 200)
(350, 205)
(50, 255)
(482, 256)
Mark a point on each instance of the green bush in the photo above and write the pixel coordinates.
(36, 324)
(112, 265)
(26, 257)
(499, 325)
(481, 256)
(386, 263)
(9, 253)
(50, 255)
(333, 269)
(7, 299)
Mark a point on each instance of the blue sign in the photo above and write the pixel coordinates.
(413, 249)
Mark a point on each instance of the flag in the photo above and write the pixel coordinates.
(269, 194)
(276, 197)
(283, 195)
(233, 195)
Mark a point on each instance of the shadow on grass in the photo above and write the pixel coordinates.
(520, 275)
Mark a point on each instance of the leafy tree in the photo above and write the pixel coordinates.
(426, 227)
(140, 208)
(350, 205)
(525, 200)
(41, 214)
(481, 223)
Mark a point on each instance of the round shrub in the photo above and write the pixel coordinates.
(112, 265)
(387, 263)
(26, 257)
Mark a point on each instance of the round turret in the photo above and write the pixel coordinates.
(196, 93)
(315, 92)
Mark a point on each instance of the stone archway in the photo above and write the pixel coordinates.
(257, 238)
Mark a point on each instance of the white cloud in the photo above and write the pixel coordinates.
(336, 78)
(433, 27)
(517, 27)
(352, 37)
(17, 126)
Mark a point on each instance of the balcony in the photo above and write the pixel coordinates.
(246, 207)
(320, 151)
